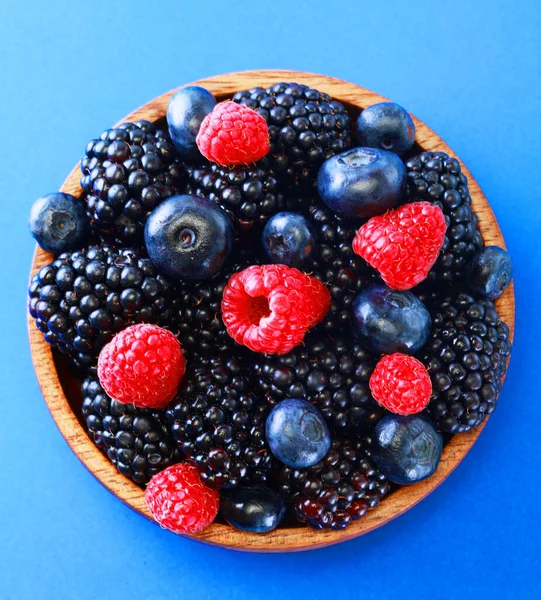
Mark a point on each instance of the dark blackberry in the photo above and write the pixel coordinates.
(249, 194)
(127, 172)
(332, 373)
(220, 424)
(337, 490)
(466, 358)
(305, 126)
(83, 298)
(437, 178)
(137, 441)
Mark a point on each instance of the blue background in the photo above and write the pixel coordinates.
(472, 71)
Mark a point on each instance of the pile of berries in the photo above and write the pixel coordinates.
(266, 319)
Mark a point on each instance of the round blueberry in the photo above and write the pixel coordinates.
(490, 272)
(58, 222)
(185, 113)
(297, 434)
(387, 126)
(188, 238)
(288, 239)
(388, 321)
(254, 508)
(362, 182)
(406, 449)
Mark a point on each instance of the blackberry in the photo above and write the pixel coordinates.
(127, 172)
(332, 373)
(137, 441)
(220, 424)
(466, 358)
(249, 194)
(83, 298)
(305, 127)
(337, 490)
(437, 178)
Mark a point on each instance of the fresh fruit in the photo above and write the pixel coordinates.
(254, 508)
(248, 194)
(188, 238)
(403, 244)
(58, 222)
(305, 128)
(270, 308)
(336, 491)
(297, 433)
(361, 182)
(401, 384)
(185, 113)
(406, 449)
(233, 135)
(288, 239)
(387, 321)
(179, 501)
(142, 365)
(490, 272)
(466, 357)
(437, 178)
(137, 441)
(386, 125)
(83, 298)
(127, 172)
(219, 423)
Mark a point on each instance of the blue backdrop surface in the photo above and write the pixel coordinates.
(472, 71)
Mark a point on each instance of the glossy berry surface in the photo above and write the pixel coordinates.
(188, 238)
(406, 449)
(288, 239)
(58, 223)
(361, 182)
(490, 272)
(387, 321)
(387, 126)
(254, 508)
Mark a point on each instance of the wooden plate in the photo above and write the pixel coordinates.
(64, 401)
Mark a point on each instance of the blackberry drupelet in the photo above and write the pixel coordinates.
(466, 359)
(305, 127)
(137, 441)
(83, 298)
(127, 172)
(437, 178)
(337, 490)
(220, 424)
(330, 372)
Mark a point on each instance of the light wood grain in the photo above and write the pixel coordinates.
(61, 402)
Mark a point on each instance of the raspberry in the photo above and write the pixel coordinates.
(269, 308)
(233, 134)
(142, 365)
(401, 384)
(180, 501)
(402, 244)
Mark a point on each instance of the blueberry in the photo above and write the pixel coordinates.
(254, 508)
(188, 238)
(406, 449)
(490, 272)
(58, 222)
(388, 321)
(185, 113)
(387, 126)
(288, 239)
(361, 182)
(297, 434)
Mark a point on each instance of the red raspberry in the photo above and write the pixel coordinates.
(142, 365)
(180, 501)
(401, 384)
(269, 308)
(233, 134)
(402, 244)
